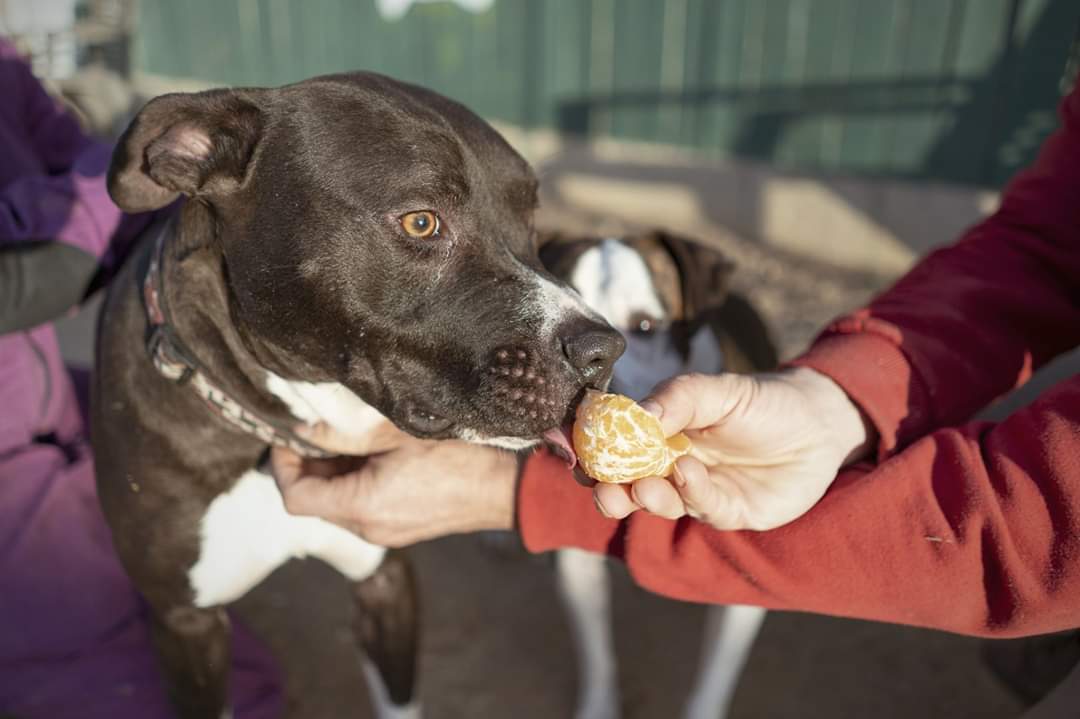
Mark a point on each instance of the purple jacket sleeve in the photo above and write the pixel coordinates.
(59, 192)
(53, 134)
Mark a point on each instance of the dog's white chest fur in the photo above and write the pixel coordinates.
(246, 532)
(327, 402)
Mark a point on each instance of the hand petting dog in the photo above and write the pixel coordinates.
(406, 490)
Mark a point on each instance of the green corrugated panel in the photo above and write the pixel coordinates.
(876, 57)
(765, 64)
(790, 82)
(165, 41)
(926, 55)
(247, 20)
(1045, 32)
(800, 145)
(788, 28)
(700, 45)
(751, 46)
(402, 44)
(961, 146)
(565, 53)
(483, 89)
(672, 118)
(280, 59)
(981, 36)
(775, 48)
(447, 62)
(314, 23)
(638, 43)
(600, 77)
(511, 29)
(825, 59)
(719, 122)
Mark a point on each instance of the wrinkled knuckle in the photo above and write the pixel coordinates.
(700, 513)
(365, 531)
(685, 381)
(294, 503)
(681, 388)
(375, 533)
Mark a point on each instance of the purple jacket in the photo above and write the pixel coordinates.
(51, 188)
(74, 637)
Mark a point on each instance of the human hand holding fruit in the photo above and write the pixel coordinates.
(763, 449)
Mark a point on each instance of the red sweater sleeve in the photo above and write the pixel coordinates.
(974, 530)
(971, 321)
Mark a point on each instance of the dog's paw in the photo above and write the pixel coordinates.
(396, 711)
(599, 706)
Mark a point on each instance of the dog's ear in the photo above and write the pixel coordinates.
(704, 273)
(559, 253)
(199, 145)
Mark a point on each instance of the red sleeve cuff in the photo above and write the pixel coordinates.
(554, 511)
(878, 377)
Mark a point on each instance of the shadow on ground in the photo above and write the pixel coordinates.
(496, 644)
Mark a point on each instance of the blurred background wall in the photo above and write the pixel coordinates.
(953, 90)
(857, 132)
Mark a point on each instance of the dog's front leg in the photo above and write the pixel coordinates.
(585, 590)
(387, 628)
(726, 643)
(193, 648)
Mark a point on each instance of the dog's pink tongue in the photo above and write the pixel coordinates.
(559, 439)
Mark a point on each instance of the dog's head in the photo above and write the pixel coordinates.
(659, 289)
(377, 235)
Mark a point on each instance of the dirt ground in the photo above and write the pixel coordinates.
(496, 644)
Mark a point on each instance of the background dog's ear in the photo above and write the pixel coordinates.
(198, 145)
(559, 253)
(704, 272)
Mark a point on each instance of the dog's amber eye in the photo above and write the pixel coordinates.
(422, 225)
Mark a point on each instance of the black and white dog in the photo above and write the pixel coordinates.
(669, 297)
(352, 249)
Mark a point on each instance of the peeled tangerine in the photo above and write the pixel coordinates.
(617, 441)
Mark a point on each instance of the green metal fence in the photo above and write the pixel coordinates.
(954, 90)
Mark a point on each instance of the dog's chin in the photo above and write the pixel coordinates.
(557, 439)
(514, 444)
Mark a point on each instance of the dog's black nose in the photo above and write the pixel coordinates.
(592, 349)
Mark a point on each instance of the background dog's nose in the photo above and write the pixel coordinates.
(592, 349)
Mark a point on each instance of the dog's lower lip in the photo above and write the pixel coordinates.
(424, 421)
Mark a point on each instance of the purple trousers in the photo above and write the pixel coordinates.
(74, 633)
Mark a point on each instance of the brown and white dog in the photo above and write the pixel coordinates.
(669, 297)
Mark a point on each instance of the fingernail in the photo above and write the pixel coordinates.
(678, 478)
(600, 507)
(653, 407)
